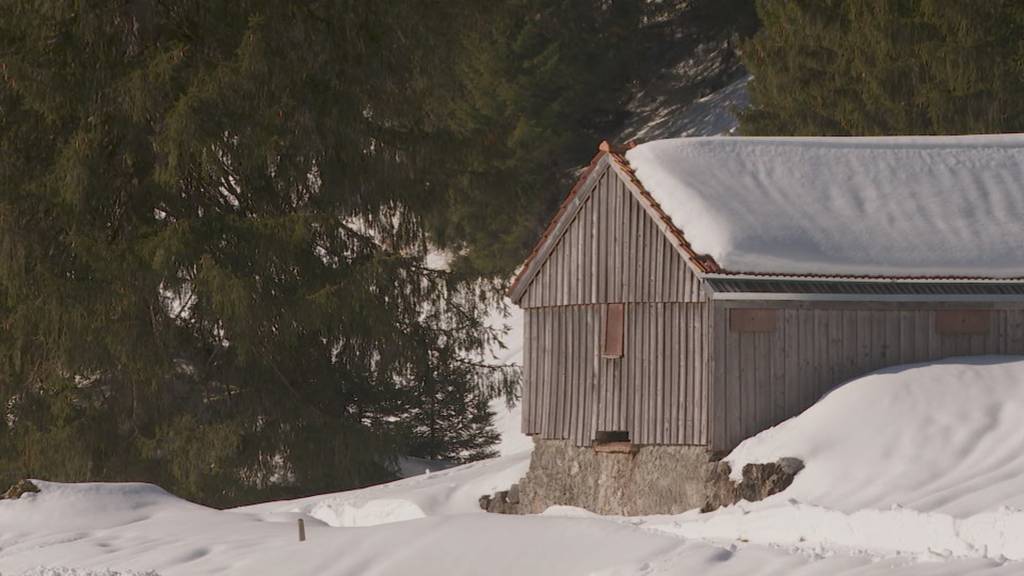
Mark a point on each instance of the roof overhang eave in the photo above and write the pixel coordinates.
(725, 275)
(923, 298)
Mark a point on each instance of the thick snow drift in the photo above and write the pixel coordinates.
(131, 529)
(452, 491)
(940, 437)
(923, 459)
(899, 206)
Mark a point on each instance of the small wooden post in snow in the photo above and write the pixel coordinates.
(302, 530)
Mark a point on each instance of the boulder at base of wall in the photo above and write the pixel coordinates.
(759, 482)
(18, 489)
(503, 502)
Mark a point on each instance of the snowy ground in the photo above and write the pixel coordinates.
(915, 470)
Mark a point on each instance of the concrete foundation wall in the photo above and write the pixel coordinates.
(646, 480)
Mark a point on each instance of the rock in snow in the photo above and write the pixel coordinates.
(758, 482)
(19, 489)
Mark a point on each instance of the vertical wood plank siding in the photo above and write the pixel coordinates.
(761, 379)
(613, 251)
(686, 377)
(655, 391)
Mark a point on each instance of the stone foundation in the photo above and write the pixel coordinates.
(629, 480)
(615, 479)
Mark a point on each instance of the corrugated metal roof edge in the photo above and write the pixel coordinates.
(734, 275)
(727, 275)
(822, 297)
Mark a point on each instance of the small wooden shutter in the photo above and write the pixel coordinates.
(613, 320)
(962, 321)
(752, 320)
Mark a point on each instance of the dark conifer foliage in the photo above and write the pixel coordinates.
(212, 269)
(542, 83)
(875, 67)
(215, 217)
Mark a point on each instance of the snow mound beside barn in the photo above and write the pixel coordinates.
(942, 437)
(941, 206)
(925, 460)
(452, 491)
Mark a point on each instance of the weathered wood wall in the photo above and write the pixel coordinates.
(687, 374)
(656, 391)
(613, 251)
(762, 378)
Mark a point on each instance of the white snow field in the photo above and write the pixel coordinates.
(446, 493)
(896, 206)
(913, 470)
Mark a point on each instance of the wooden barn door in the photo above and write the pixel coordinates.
(611, 343)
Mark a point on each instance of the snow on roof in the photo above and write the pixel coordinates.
(922, 206)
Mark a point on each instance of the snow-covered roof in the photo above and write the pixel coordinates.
(922, 206)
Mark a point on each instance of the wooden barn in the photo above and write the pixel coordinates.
(697, 291)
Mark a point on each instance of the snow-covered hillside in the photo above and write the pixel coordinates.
(711, 115)
(913, 470)
(697, 95)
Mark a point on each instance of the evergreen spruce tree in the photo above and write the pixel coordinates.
(875, 67)
(212, 251)
(214, 218)
(541, 83)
